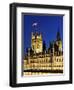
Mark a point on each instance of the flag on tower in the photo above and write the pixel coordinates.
(35, 24)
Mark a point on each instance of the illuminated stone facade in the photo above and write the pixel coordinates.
(37, 61)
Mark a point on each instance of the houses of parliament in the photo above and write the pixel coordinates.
(40, 60)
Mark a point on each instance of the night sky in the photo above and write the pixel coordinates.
(47, 25)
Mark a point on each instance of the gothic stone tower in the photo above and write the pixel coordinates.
(59, 41)
(36, 42)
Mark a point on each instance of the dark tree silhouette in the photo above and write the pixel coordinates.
(58, 36)
(44, 46)
(27, 50)
(31, 51)
(56, 48)
(51, 46)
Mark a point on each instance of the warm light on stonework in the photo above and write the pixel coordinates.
(43, 63)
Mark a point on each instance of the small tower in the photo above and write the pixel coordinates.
(59, 41)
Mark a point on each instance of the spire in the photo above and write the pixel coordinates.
(58, 32)
(58, 36)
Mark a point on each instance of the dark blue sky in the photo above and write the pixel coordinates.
(47, 25)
